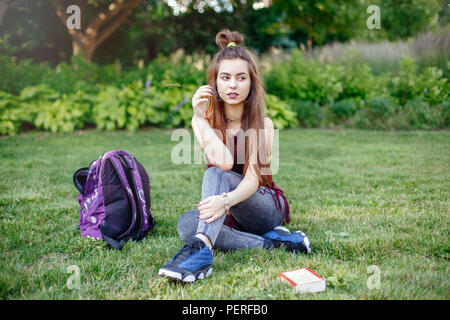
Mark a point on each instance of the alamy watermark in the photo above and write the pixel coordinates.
(374, 20)
(373, 281)
(74, 19)
(73, 282)
(182, 151)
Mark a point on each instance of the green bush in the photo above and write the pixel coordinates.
(117, 108)
(10, 119)
(308, 113)
(308, 92)
(133, 105)
(171, 106)
(44, 108)
(343, 109)
(432, 86)
(165, 71)
(81, 75)
(408, 85)
(419, 115)
(298, 78)
(64, 115)
(358, 81)
(380, 108)
(403, 84)
(280, 112)
(445, 114)
(18, 74)
(33, 100)
(180, 106)
(376, 114)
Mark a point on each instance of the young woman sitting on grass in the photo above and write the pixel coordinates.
(241, 206)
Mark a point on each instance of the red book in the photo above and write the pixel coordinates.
(304, 280)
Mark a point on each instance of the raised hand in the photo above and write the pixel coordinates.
(201, 99)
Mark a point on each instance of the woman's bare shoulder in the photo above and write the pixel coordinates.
(268, 124)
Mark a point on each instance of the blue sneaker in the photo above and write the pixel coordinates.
(192, 262)
(282, 237)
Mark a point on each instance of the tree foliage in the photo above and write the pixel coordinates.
(130, 30)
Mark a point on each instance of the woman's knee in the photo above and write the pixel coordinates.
(187, 224)
(215, 173)
(212, 172)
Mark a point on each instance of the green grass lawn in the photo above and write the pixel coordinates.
(363, 197)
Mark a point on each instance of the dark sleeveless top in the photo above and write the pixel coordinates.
(239, 168)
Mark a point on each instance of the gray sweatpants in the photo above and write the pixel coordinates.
(252, 217)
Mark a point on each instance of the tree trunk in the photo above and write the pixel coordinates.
(309, 40)
(87, 40)
(87, 51)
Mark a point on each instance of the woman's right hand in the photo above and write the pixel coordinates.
(200, 100)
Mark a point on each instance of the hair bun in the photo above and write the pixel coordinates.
(225, 37)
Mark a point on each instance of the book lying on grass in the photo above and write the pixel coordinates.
(304, 280)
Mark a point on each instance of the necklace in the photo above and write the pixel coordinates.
(231, 120)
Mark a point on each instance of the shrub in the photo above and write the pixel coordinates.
(309, 92)
(300, 79)
(380, 107)
(445, 114)
(343, 109)
(120, 108)
(419, 115)
(403, 84)
(10, 119)
(308, 113)
(432, 86)
(18, 74)
(132, 106)
(171, 106)
(376, 114)
(181, 112)
(280, 112)
(429, 84)
(64, 114)
(33, 99)
(357, 80)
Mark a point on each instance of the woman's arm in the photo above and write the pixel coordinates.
(246, 188)
(216, 152)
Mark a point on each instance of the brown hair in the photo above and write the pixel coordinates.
(254, 105)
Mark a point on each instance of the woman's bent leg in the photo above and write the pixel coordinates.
(256, 215)
(227, 239)
(216, 181)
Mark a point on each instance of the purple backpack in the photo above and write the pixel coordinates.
(114, 199)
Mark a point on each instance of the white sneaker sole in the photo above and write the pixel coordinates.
(282, 229)
(306, 240)
(308, 244)
(178, 276)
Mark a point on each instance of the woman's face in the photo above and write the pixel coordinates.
(233, 77)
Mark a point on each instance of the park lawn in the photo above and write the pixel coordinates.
(364, 198)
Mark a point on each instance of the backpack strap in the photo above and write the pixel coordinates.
(118, 167)
(79, 178)
(118, 245)
(130, 162)
(113, 243)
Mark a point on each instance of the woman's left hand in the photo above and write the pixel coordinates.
(211, 208)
